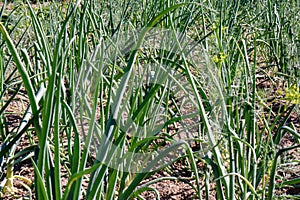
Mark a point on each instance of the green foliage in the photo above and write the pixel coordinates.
(84, 64)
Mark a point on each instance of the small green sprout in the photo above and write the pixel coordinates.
(220, 57)
(291, 94)
(224, 29)
(214, 26)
